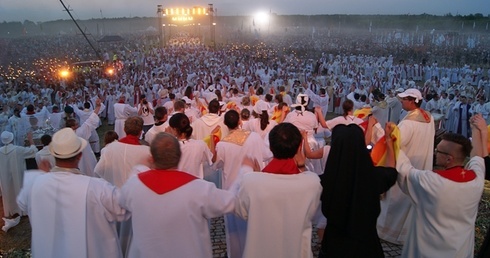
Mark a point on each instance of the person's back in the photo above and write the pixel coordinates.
(279, 203)
(12, 160)
(71, 215)
(120, 157)
(284, 228)
(181, 205)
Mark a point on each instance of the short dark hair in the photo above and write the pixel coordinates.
(232, 119)
(213, 106)
(133, 125)
(284, 140)
(160, 113)
(110, 136)
(46, 139)
(462, 141)
(86, 105)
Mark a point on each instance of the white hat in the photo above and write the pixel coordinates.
(414, 93)
(7, 137)
(301, 101)
(163, 93)
(400, 90)
(186, 100)
(260, 106)
(66, 144)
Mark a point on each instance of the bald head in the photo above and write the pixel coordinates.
(165, 150)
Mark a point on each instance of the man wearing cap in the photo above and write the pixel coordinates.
(13, 163)
(71, 215)
(417, 141)
(170, 209)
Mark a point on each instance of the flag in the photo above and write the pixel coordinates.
(378, 154)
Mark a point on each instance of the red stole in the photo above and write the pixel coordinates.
(130, 139)
(164, 181)
(457, 174)
(282, 166)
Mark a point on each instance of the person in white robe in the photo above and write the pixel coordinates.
(417, 141)
(181, 205)
(230, 153)
(88, 161)
(291, 190)
(44, 154)
(71, 215)
(122, 111)
(195, 153)
(13, 162)
(203, 126)
(445, 202)
(116, 163)
(160, 125)
(307, 121)
(121, 156)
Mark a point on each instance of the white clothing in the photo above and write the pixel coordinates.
(254, 126)
(118, 159)
(230, 156)
(341, 120)
(298, 196)
(444, 211)
(154, 130)
(146, 114)
(88, 160)
(203, 126)
(171, 230)
(194, 154)
(122, 112)
(44, 154)
(71, 215)
(417, 141)
(13, 162)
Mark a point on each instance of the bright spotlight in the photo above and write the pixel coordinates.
(262, 18)
(64, 73)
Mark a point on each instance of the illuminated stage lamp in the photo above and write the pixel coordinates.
(110, 71)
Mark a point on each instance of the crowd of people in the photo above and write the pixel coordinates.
(192, 124)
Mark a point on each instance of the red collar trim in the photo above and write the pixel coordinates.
(164, 181)
(282, 166)
(457, 174)
(121, 102)
(130, 139)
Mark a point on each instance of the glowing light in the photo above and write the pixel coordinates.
(110, 71)
(64, 73)
(261, 17)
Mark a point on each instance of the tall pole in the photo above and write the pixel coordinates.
(83, 33)
(160, 25)
(212, 25)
